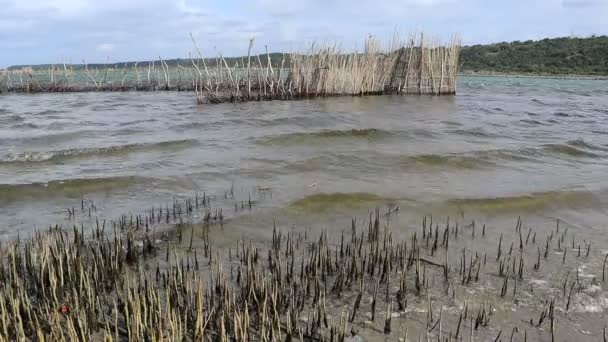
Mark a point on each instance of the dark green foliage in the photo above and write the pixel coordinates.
(547, 56)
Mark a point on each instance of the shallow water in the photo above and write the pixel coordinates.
(501, 146)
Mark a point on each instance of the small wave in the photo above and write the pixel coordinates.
(12, 118)
(51, 156)
(451, 123)
(324, 202)
(305, 121)
(454, 161)
(361, 161)
(583, 144)
(49, 111)
(537, 101)
(25, 125)
(568, 150)
(531, 122)
(468, 160)
(475, 132)
(602, 110)
(423, 133)
(135, 122)
(561, 114)
(49, 139)
(311, 137)
(531, 202)
(70, 187)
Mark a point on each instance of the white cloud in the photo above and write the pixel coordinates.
(105, 47)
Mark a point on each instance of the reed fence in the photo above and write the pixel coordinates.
(414, 65)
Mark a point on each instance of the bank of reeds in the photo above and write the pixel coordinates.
(415, 65)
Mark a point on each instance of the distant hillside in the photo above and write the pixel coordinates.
(275, 58)
(547, 56)
(583, 56)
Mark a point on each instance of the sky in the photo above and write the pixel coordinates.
(56, 31)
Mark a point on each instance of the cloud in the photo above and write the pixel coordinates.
(46, 31)
(105, 47)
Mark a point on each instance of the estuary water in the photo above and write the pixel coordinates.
(501, 146)
(500, 150)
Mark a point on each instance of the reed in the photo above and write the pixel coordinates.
(414, 65)
(123, 283)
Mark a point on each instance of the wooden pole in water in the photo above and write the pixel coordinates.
(249, 67)
(420, 75)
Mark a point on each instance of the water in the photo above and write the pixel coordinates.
(500, 145)
(500, 149)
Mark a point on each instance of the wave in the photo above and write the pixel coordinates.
(69, 187)
(49, 111)
(472, 160)
(537, 101)
(530, 202)
(324, 202)
(26, 125)
(583, 144)
(454, 161)
(361, 161)
(568, 150)
(531, 122)
(475, 132)
(136, 122)
(11, 118)
(491, 158)
(48, 139)
(311, 137)
(53, 156)
(467, 160)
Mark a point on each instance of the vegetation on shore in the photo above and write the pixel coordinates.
(581, 56)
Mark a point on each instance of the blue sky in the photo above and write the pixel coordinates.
(52, 31)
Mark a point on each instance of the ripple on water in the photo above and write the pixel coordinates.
(70, 187)
(529, 203)
(478, 132)
(531, 122)
(326, 202)
(53, 156)
(568, 150)
(136, 122)
(325, 136)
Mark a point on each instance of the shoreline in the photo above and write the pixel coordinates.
(540, 76)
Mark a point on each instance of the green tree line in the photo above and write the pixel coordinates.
(548, 56)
